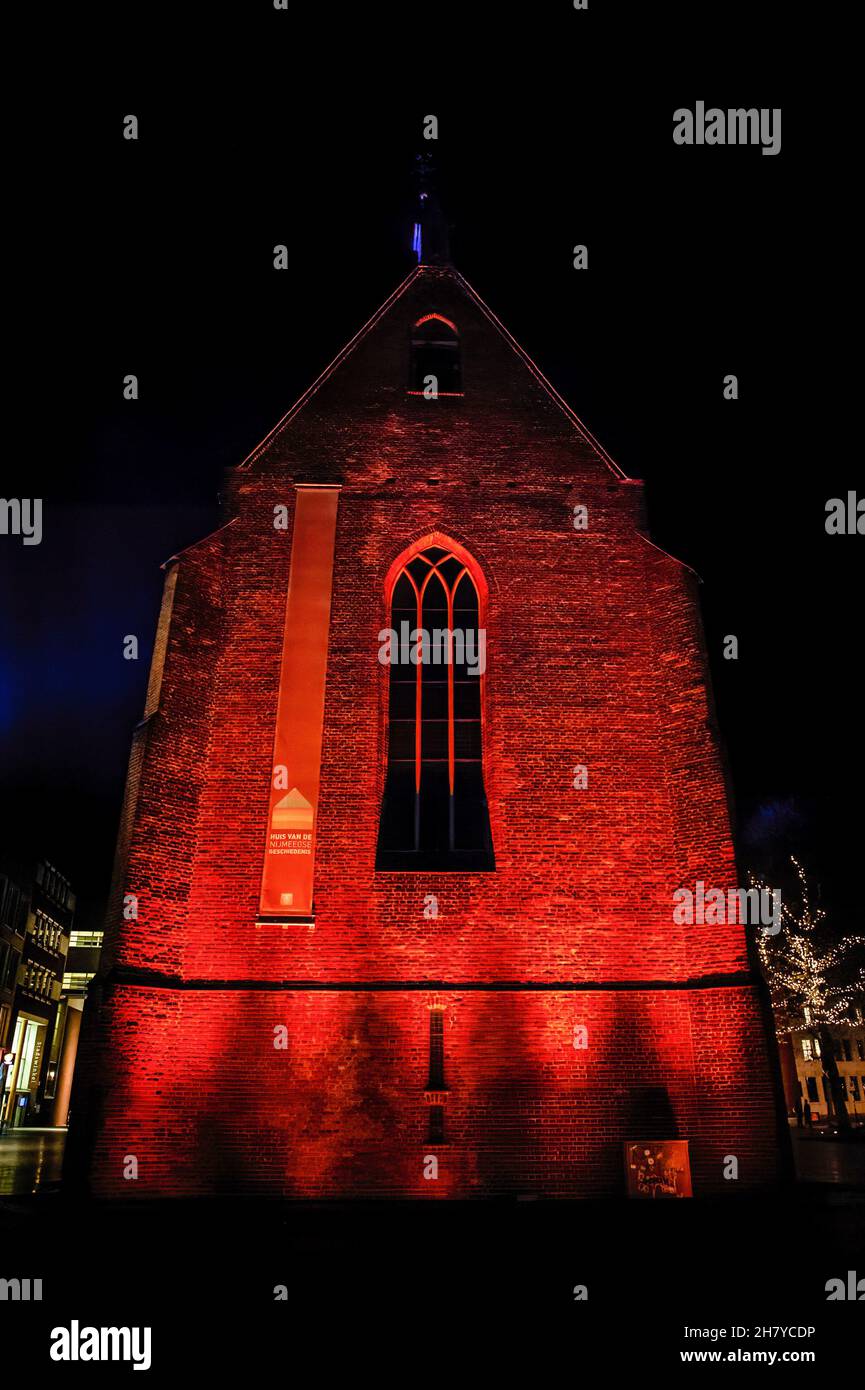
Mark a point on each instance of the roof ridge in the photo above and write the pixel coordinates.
(540, 378)
(331, 367)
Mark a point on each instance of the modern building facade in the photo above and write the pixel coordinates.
(392, 926)
(14, 898)
(38, 911)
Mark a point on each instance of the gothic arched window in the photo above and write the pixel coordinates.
(435, 352)
(434, 811)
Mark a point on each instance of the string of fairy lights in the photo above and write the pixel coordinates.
(798, 967)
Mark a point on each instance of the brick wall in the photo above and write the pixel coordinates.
(594, 657)
(206, 1103)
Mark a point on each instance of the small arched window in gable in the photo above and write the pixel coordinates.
(434, 812)
(435, 352)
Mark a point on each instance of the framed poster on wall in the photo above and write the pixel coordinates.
(658, 1168)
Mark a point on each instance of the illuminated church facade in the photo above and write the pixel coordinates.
(383, 896)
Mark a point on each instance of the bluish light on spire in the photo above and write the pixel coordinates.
(416, 241)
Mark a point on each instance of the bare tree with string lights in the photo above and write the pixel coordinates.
(812, 979)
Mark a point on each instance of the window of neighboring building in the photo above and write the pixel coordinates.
(85, 938)
(806, 1049)
(848, 1051)
(12, 963)
(811, 1083)
(46, 931)
(860, 1049)
(13, 906)
(76, 980)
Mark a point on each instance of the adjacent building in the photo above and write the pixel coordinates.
(805, 1075)
(14, 900)
(37, 913)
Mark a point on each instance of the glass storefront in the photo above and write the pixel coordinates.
(28, 1043)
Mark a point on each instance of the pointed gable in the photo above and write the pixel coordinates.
(366, 403)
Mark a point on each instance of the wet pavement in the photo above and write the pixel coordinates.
(828, 1160)
(30, 1160)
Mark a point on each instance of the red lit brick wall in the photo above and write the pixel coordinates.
(594, 657)
(205, 1103)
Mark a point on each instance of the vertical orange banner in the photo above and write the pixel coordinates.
(289, 856)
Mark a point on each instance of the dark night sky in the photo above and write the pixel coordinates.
(155, 258)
